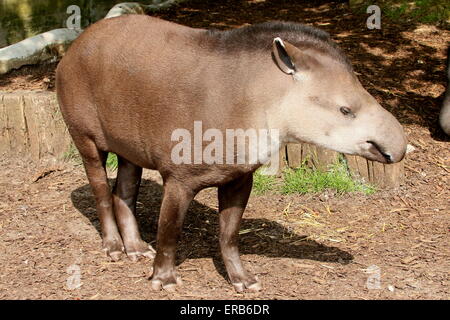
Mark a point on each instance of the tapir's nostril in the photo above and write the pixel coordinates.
(386, 155)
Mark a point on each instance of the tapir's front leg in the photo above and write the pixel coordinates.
(175, 203)
(233, 199)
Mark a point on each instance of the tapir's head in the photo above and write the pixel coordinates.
(325, 104)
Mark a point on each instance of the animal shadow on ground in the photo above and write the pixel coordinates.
(199, 238)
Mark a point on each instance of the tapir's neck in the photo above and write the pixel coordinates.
(267, 91)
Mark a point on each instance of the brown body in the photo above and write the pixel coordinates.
(127, 83)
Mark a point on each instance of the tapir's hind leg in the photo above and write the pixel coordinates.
(233, 199)
(124, 197)
(94, 162)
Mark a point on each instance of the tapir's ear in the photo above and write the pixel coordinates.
(291, 59)
(283, 57)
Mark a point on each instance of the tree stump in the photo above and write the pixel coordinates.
(32, 125)
(382, 175)
(313, 156)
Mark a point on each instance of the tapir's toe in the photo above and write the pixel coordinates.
(255, 287)
(134, 256)
(115, 256)
(168, 284)
(141, 250)
(251, 284)
(156, 284)
(113, 248)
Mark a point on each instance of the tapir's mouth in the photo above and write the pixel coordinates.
(376, 153)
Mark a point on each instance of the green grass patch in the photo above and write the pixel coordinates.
(308, 180)
(112, 162)
(264, 183)
(337, 178)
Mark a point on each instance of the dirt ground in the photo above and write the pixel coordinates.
(315, 246)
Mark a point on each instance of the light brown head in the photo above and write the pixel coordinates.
(326, 105)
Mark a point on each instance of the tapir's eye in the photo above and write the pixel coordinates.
(346, 111)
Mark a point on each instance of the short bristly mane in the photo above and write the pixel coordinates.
(260, 36)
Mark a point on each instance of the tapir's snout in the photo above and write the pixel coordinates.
(386, 142)
(378, 153)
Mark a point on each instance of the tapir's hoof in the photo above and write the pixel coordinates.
(254, 286)
(148, 252)
(139, 248)
(113, 249)
(115, 256)
(168, 284)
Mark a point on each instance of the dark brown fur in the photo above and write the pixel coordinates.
(259, 37)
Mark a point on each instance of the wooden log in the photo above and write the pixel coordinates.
(358, 166)
(294, 155)
(385, 176)
(31, 125)
(394, 174)
(308, 154)
(14, 133)
(282, 159)
(40, 48)
(324, 158)
(4, 147)
(313, 156)
(139, 8)
(47, 132)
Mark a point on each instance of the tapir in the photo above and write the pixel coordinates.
(128, 83)
(444, 116)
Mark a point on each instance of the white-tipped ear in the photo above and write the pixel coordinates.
(278, 40)
(281, 56)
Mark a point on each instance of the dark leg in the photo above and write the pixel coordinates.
(94, 162)
(175, 203)
(124, 196)
(233, 199)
